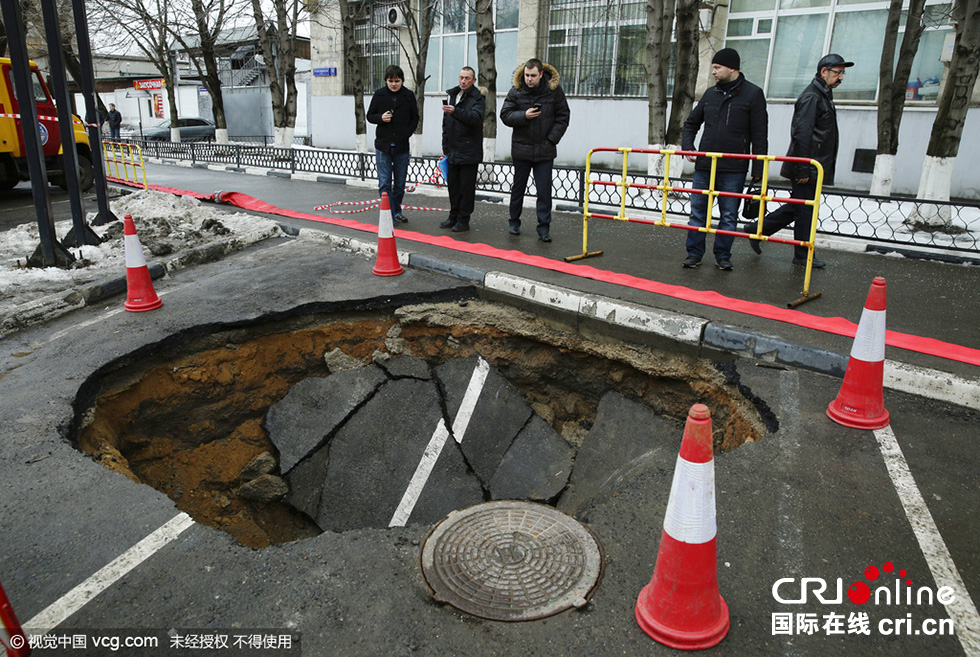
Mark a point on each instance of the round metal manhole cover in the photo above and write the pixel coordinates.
(511, 561)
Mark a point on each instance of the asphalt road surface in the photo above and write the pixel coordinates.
(803, 513)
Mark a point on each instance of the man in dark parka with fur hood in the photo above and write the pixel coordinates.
(538, 112)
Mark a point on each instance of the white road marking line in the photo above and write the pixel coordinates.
(58, 611)
(961, 610)
(437, 442)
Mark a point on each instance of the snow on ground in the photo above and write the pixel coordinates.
(167, 225)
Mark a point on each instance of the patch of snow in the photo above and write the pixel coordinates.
(165, 224)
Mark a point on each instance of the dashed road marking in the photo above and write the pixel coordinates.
(437, 442)
(961, 610)
(58, 611)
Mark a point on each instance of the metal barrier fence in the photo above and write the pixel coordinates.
(889, 220)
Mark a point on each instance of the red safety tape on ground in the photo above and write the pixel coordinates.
(834, 325)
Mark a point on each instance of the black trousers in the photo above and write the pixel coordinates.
(801, 216)
(542, 183)
(462, 192)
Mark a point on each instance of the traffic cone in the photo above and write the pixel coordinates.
(12, 638)
(860, 403)
(681, 606)
(140, 294)
(387, 262)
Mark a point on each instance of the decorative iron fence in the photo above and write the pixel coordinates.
(891, 220)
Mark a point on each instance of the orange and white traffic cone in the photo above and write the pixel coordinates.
(12, 638)
(140, 294)
(386, 263)
(860, 403)
(681, 606)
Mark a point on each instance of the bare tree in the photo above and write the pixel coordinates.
(352, 68)
(486, 63)
(947, 129)
(278, 41)
(147, 23)
(205, 20)
(661, 15)
(893, 77)
(688, 31)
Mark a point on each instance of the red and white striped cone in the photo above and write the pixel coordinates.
(681, 606)
(386, 263)
(12, 638)
(860, 403)
(140, 294)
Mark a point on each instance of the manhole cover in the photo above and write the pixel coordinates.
(511, 561)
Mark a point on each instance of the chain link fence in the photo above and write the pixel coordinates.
(891, 220)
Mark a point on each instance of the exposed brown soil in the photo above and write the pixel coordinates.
(191, 422)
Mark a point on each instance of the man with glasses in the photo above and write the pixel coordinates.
(813, 135)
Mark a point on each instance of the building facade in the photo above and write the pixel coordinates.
(598, 48)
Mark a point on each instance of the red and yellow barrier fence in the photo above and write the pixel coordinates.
(116, 153)
(666, 188)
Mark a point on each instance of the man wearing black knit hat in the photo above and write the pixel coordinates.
(735, 120)
(813, 135)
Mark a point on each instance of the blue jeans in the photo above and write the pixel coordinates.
(725, 181)
(392, 172)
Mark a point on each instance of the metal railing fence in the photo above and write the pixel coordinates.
(890, 220)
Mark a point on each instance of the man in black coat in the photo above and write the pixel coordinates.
(114, 119)
(396, 113)
(813, 135)
(538, 112)
(462, 144)
(735, 120)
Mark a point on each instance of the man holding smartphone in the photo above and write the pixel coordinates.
(538, 112)
(462, 144)
(396, 113)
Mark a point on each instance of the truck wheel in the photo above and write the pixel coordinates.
(8, 184)
(86, 173)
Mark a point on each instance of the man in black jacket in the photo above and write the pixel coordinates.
(735, 121)
(538, 112)
(394, 110)
(462, 143)
(114, 119)
(813, 135)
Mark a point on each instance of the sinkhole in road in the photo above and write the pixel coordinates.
(280, 428)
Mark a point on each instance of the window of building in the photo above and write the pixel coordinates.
(781, 41)
(453, 44)
(598, 46)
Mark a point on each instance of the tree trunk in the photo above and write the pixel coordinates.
(893, 79)
(686, 70)
(660, 20)
(944, 142)
(486, 63)
(352, 71)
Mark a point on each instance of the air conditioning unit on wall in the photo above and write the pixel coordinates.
(396, 17)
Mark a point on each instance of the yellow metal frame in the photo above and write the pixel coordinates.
(115, 153)
(665, 187)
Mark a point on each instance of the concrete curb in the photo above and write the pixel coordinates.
(55, 305)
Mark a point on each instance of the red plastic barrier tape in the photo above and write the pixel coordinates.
(833, 325)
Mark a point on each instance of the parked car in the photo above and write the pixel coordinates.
(190, 130)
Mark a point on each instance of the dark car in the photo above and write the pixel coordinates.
(190, 130)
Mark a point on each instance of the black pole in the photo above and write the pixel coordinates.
(52, 253)
(105, 215)
(69, 158)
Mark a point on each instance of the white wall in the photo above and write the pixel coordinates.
(617, 123)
